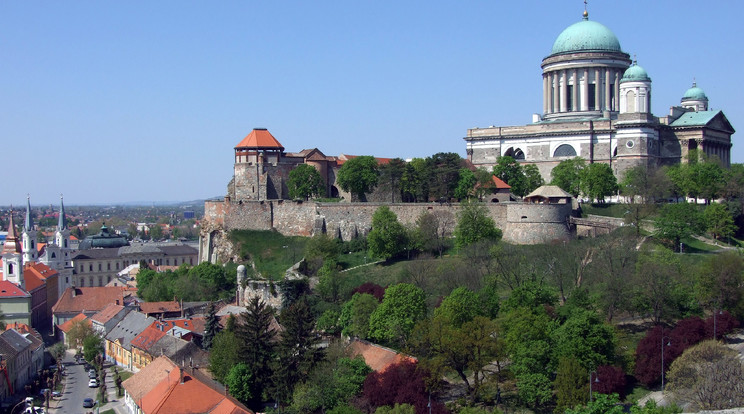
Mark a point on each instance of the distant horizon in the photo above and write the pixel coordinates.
(146, 100)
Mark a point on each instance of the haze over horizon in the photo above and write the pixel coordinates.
(113, 102)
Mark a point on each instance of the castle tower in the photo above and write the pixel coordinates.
(12, 256)
(257, 174)
(62, 237)
(635, 91)
(30, 249)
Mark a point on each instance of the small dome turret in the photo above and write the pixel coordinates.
(694, 94)
(635, 73)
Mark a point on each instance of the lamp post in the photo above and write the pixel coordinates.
(716, 312)
(662, 359)
(596, 379)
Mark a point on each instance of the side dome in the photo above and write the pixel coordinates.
(586, 35)
(694, 94)
(635, 73)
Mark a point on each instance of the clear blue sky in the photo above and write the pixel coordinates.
(111, 102)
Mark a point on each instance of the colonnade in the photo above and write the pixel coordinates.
(561, 94)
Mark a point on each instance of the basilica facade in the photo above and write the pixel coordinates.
(597, 105)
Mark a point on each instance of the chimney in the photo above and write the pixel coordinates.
(227, 391)
(117, 301)
(74, 291)
(180, 372)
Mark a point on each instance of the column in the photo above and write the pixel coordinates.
(585, 91)
(575, 97)
(545, 93)
(616, 106)
(564, 91)
(597, 90)
(607, 90)
(556, 95)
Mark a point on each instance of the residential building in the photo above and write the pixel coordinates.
(107, 318)
(15, 303)
(165, 387)
(89, 300)
(118, 342)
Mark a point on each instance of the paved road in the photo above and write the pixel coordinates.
(76, 390)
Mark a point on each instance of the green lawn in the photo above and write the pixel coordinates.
(272, 253)
(607, 209)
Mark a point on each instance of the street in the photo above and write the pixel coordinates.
(76, 390)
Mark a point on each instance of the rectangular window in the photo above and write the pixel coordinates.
(612, 97)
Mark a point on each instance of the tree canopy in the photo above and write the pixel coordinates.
(358, 176)
(304, 182)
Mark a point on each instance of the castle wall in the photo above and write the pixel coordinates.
(521, 223)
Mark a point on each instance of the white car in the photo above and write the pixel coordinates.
(35, 410)
(93, 383)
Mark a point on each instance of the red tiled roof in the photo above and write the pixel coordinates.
(105, 314)
(148, 337)
(65, 327)
(377, 357)
(343, 158)
(10, 290)
(184, 393)
(259, 138)
(195, 324)
(36, 275)
(499, 183)
(91, 299)
(158, 307)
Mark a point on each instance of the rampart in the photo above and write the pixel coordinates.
(521, 223)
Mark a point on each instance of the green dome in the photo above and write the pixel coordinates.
(694, 94)
(586, 35)
(635, 73)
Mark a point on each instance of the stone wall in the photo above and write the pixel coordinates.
(521, 223)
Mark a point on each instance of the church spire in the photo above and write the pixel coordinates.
(29, 224)
(12, 245)
(61, 225)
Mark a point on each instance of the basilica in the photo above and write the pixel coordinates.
(597, 105)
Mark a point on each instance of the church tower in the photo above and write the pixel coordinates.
(30, 249)
(62, 237)
(12, 256)
(635, 91)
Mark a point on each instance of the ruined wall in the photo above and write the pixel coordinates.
(520, 222)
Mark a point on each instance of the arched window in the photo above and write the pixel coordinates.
(10, 268)
(54, 255)
(518, 154)
(564, 150)
(630, 101)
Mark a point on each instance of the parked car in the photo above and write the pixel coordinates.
(35, 410)
(42, 392)
(88, 403)
(92, 374)
(56, 394)
(93, 383)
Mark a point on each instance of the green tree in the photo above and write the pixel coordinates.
(708, 375)
(92, 346)
(720, 278)
(598, 181)
(414, 183)
(211, 326)
(567, 175)
(156, 232)
(678, 221)
(657, 284)
(718, 221)
(257, 344)
(465, 184)
(430, 231)
(239, 381)
(402, 306)
(332, 384)
(444, 171)
(532, 178)
(391, 175)
(586, 338)
(396, 409)
(509, 171)
(224, 354)
(358, 176)
(707, 178)
(388, 238)
(78, 332)
(571, 386)
(355, 314)
(474, 225)
(462, 305)
(304, 182)
(298, 349)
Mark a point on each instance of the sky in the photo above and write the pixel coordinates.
(112, 102)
